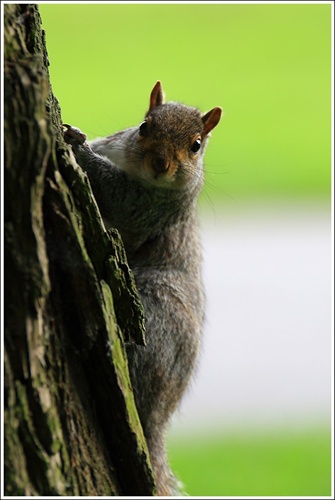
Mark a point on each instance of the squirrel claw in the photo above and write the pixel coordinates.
(73, 135)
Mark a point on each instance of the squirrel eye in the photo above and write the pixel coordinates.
(196, 146)
(143, 128)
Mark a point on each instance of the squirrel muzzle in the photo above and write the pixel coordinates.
(160, 164)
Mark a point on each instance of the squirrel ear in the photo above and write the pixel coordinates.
(210, 120)
(156, 97)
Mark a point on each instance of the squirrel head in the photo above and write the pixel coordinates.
(172, 141)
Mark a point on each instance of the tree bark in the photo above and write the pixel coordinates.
(71, 425)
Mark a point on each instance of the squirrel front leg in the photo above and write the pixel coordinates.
(114, 191)
(99, 168)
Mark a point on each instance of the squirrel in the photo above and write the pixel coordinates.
(146, 180)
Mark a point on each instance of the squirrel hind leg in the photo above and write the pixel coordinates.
(167, 484)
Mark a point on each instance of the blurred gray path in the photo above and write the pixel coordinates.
(267, 350)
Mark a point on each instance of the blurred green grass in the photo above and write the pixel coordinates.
(267, 65)
(267, 464)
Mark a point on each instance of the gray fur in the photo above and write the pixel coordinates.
(160, 231)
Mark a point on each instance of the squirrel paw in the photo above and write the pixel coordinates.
(73, 135)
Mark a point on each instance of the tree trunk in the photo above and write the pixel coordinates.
(71, 425)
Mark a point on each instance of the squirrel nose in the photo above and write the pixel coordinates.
(160, 164)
